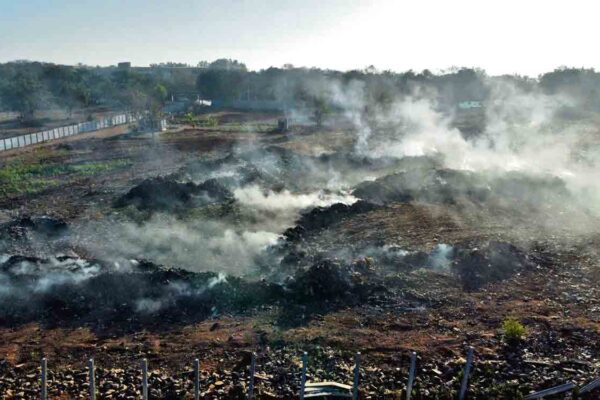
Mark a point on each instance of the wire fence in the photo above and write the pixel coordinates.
(324, 389)
(29, 139)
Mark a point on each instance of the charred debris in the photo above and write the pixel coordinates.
(68, 288)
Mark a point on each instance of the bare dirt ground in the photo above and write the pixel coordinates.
(424, 311)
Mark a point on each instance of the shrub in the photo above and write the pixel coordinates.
(190, 119)
(513, 331)
(211, 121)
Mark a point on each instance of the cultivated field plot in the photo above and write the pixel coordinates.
(216, 242)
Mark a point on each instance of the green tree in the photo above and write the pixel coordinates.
(221, 84)
(24, 95)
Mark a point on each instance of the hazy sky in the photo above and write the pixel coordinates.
(525, 36)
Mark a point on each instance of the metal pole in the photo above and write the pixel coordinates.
(411, 374)
(566, 387)
(590, 386)
(467, 372)
(196, 379)
(356, 376)
(44, 379)
(251, 384)
(145, 379)
(303, 379)
(92, 379)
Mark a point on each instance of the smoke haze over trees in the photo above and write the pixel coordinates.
(28, 86)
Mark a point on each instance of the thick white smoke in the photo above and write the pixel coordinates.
(285, 201)
(525, 131)
(201, 244)
(197, 245)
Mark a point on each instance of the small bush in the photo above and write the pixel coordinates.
(190, 119)
(211, 121)
(513, 330)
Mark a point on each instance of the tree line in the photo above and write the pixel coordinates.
(29, 86)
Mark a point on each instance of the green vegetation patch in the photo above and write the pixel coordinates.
(19, 177)
(513, 331)
(99, 167)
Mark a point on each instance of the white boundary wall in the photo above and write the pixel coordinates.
(64, 131)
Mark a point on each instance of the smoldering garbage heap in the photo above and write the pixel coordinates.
(275, 166)
(67, 289)
(519, 191)
(166, 194)
(72, 288)
(28, 229)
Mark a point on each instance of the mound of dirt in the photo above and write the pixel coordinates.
(166, 194)
(332, 281)
(436, 186)
(449, 186)
(321, 217)
(324, 281)
(73, 291)
(495, 262)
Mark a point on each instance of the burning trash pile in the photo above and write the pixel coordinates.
(166, 194)
(280, 232)
(29, 230)
(388, 230)
(69, 289)
(273, 216)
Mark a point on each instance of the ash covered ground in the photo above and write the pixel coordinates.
(381, 232)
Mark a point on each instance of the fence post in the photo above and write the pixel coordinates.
(411, 374)
(44, 379)
(303, 378)
(145, 379)
(252, 369)
(590, 386)
(196, 379)
(92, 379)
(356, 376)
(466, 373)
